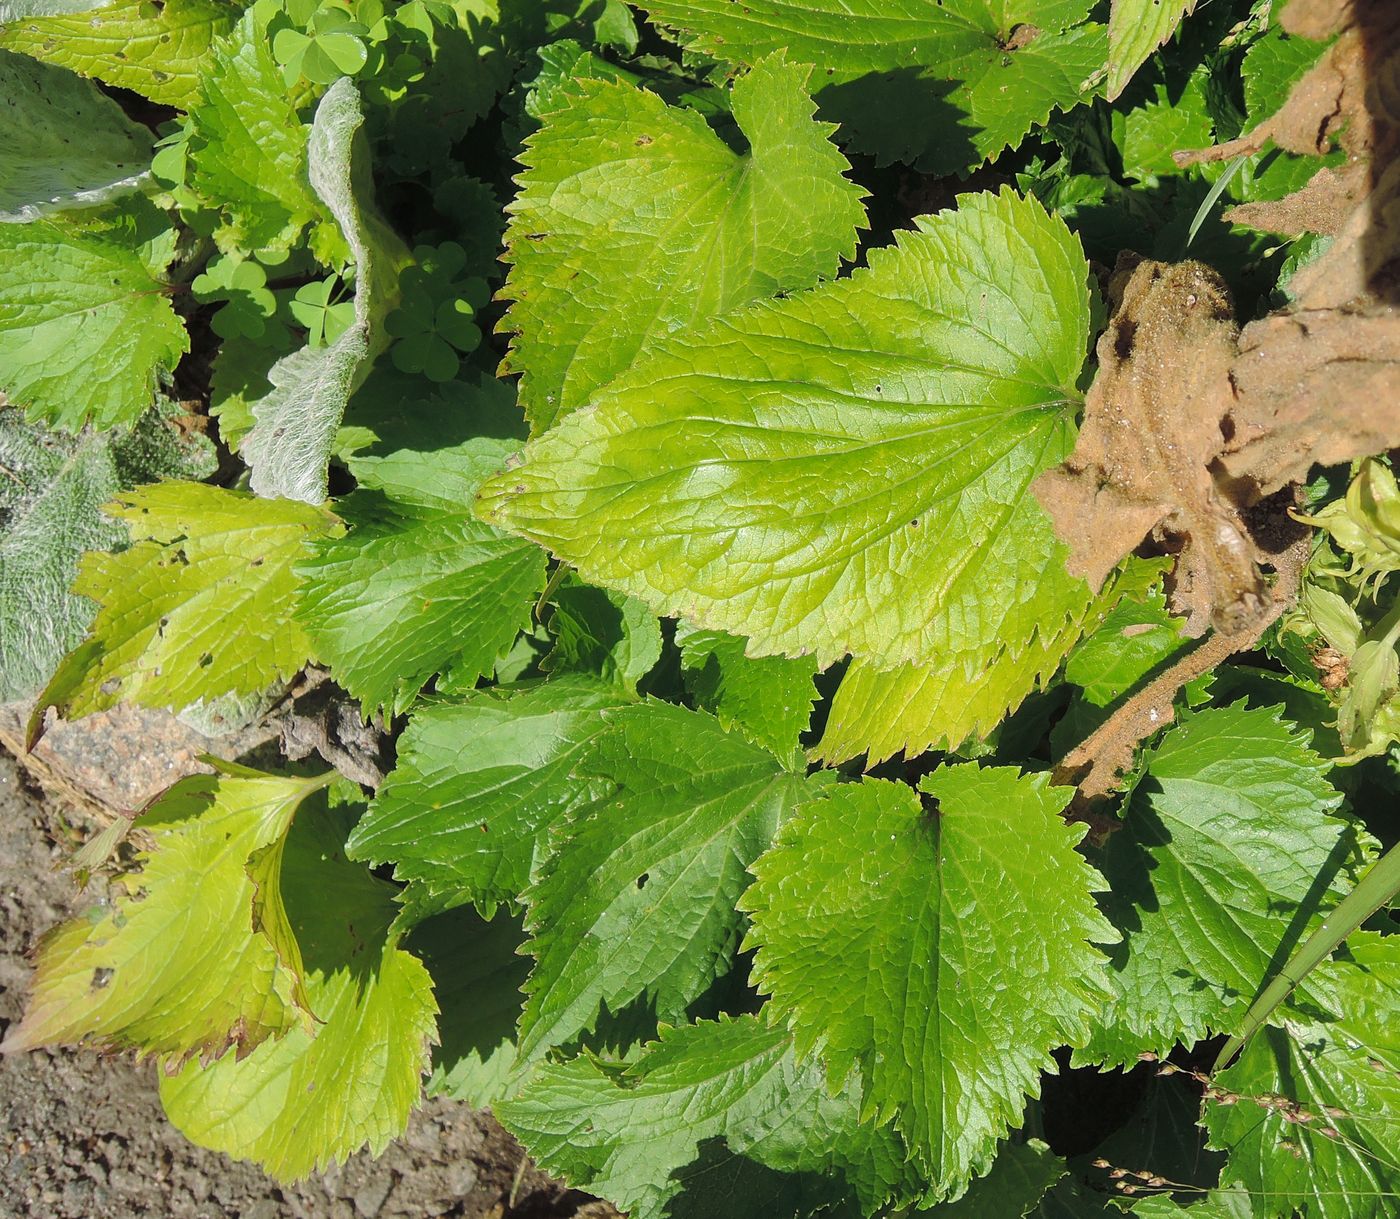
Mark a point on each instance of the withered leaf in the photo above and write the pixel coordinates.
(1152, 429)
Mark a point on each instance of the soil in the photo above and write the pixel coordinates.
(82, 1136)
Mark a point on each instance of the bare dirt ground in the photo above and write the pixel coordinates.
(83, 1137)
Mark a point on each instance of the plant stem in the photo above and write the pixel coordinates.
(1380, 884)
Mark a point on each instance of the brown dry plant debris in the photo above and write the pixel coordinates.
(1194, 430)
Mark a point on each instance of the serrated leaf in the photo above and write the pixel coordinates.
(978, 73)
(636, 899)
(917, 707)
(176, 966)
(46, 169)
(634, 218)
(1228, 854)
(247, 148)
(310, 1099)
(1135, 636)
(289, 445)
(478, 973)
(610, 635)
(1169, 119)
(467, 808)
(199, 606)
(1019, 1178)
(51, 494)
(71, 302)
(1274, 63)
(634, 1133)
(768, 697)
(418, 583)
(152, 49)
(1341, 1162)
(882, 936)
(728, 479)
(1136, 28)
(1216, 1204)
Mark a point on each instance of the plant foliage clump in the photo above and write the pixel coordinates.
(864, 540)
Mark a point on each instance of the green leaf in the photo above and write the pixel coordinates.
(1136, 28)
(728, 478)
(176, 967)
(608, 634)
(310, 1099)
(1228, 853)
(634, 1133)
(635, 218)
(1019, 1178)
(768, 697)
(1272, 66)
(1340, 1162)
(51, 494)
(1170, 119)
(152, 49)
(71, 302)
(467, 807)
(478, 974)
(978, 74)
(1216, 1204)
(418, 583)
(247, 147)
(46, 169)
(290, 442)
(199, 606)
(637, 897)
(917, 707)
(883, 937)
(1135, 636)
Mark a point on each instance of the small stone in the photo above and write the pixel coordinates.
(370, 1197)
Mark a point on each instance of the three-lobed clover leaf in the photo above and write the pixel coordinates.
(320, 306)
(435, 320)
(242, 284)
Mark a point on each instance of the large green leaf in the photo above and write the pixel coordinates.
(45, 168)
(314, 1097)
(418, 583)
(289, 446)
(637, 897)
(50, 512)
(1136, 28)
(634, 218)
(943, 953)
(1228, 854)
(847, 469)
(72, 303)
(916, 707)
(1340, 1160)
(946, 85)
(247, 147)
(153, 49)
(199, 606)
(634, 1133)
(467, 808)
(176, 966)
